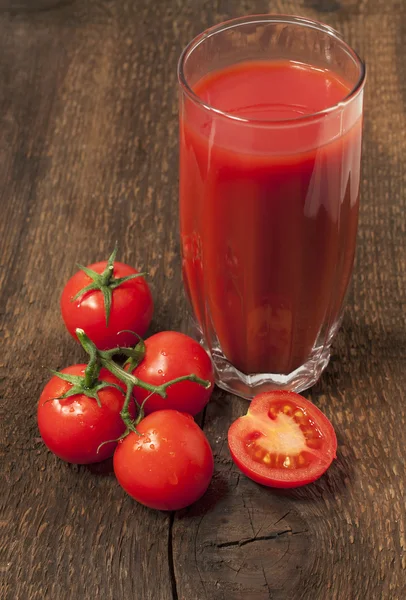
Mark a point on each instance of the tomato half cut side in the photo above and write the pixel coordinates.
(283, 440)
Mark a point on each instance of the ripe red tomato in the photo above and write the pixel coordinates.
(131, 307)
(169, 466)
(74, 428)
(283, 440)
(169, 355)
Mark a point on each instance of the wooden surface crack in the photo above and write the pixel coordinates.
(170, 559)
(261, 538)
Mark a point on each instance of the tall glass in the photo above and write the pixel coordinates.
(268, 200)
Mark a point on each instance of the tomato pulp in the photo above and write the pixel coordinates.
(268, 211)
(283, 440)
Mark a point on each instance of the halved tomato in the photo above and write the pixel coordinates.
(283, 440)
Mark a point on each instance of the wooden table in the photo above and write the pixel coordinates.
(88, 142)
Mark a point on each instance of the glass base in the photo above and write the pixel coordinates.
(228, 378)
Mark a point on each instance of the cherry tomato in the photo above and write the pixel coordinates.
(74, 428)
(131, 307)
(169, 466)
(283, 440)
(169, 355)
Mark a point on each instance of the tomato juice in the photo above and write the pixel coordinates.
(269, 193)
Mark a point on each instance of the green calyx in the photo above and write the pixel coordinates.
(136, 354)
(79, 386)
(105, 282)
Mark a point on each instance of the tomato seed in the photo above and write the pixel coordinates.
(279, 460)
(267, 459)
(314, 443)
(288, 410)
(272, 413)
(302, 460)
(251, 440)
(307, 431)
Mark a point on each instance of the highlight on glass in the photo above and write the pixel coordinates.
(270, 151)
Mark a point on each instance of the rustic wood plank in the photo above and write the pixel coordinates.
(342, 537)
(88, 155)
(81, 167)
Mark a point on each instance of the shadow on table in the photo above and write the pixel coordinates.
(30, 6)
(218, 490)
(101, 469)
(332, 484)
(361, 352)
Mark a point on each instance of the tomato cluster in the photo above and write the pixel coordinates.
(142, 412)
(87, 413)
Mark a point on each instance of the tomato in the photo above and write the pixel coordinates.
(283, 440)
(169, 355)
(169, 466)
(131, 307)
(74, 428)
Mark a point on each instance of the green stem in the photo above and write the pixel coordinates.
(99, 358)
(125, 413)
(107, 275)
(93, 368)
(130, 379)
(124, 376)
(92, 371)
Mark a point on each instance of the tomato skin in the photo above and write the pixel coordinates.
(169, 466)
(74, 428)
(131, 308)
(243, 433)
(169, 355)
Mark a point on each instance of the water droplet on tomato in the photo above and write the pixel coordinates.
(160, 371)
(164, 353)
(152, 446)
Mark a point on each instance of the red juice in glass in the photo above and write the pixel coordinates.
(269, 188)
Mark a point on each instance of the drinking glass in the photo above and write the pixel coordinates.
(268, 205)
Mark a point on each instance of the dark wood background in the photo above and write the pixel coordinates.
(88, 155)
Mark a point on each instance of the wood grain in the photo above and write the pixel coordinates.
(88, 155)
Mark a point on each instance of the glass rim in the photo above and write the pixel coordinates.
(269, 18)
